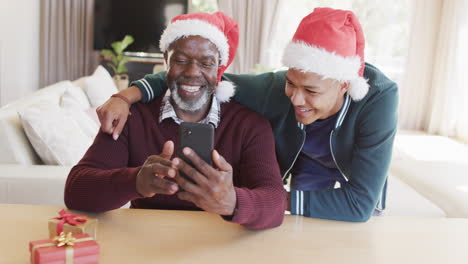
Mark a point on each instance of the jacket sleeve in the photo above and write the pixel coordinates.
(262, 93)
(261, 198)
(151, 86)
(101, 181)
(356, 200)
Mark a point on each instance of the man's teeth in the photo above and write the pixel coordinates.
(190, 88)
(304, 110)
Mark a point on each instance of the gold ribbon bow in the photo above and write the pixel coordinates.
(63, 239)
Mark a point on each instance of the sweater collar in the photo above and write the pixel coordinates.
(167, 111)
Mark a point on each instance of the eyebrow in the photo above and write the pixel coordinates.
(305, 86)
(179, 52)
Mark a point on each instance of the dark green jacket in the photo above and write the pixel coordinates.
(361, 142)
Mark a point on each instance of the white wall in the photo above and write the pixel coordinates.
(19, 48)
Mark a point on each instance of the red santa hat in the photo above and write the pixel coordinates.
(218, 28)
(330, 42)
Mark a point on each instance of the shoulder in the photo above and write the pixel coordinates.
(160, 76)
(267, 78)
(378, 82)
(378, 109)
(383, 92)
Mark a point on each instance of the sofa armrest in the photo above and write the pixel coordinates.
(442, 182)
(32, 184)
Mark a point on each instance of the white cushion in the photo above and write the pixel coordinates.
(81, 82)
(99, 86)
(14, 144)
(59, 136)
(91, 113)
(74, 98)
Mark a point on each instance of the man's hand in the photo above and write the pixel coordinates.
(151, 177)
(213, 189)
(114, 112)
(113, 115)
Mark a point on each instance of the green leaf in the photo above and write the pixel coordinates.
(117, 46)
(118, 59)
(107, 53)
(120, 46)
(125, 59)
(121, 68)
(128, 39)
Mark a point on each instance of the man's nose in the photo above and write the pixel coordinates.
(192, 70)
(297, 97)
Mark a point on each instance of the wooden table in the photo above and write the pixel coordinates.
(155, 236)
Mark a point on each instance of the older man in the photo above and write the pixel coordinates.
(244, 185)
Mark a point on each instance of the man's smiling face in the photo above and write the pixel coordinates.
(192, 72)
(313, 98)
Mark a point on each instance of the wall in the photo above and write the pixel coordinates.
(19, 48)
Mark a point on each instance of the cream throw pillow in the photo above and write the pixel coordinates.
(74, 98)
(100, 86)
(59, 136)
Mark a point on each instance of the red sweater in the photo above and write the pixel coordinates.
(105, 179)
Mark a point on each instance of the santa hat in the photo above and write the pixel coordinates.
(218, 28)
(330, 42)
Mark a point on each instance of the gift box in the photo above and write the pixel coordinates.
(74, 223)
(76, 249)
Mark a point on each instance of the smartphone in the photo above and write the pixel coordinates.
(199, 137)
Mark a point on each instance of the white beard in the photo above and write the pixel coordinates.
(190, 106)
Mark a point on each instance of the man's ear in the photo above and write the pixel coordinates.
(344, 87)
(165, 57)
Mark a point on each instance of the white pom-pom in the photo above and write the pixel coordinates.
(225, 91)
(358, 88)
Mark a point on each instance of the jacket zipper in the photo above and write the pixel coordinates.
(297, 154)
(338, 123)
(333, 156)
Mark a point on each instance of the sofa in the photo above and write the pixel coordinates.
(32, 173)
(434, 166)
(417, 187)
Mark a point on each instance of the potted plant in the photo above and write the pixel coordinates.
(118, 60)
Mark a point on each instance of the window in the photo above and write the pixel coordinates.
(385, 23)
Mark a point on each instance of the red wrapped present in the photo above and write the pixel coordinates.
(74, 223)
(76, 249)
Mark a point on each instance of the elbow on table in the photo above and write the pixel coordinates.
(275, 222)
(361, 215)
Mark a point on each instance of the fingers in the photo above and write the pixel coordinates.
(168, 150)
(113, 116)
(205, 168)
(149, 183)
(186, 196)
(191, 173)
(161, 170)
(158, 159)
(105, 119)
(162, 186)
(119, 125)
(220, 162)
